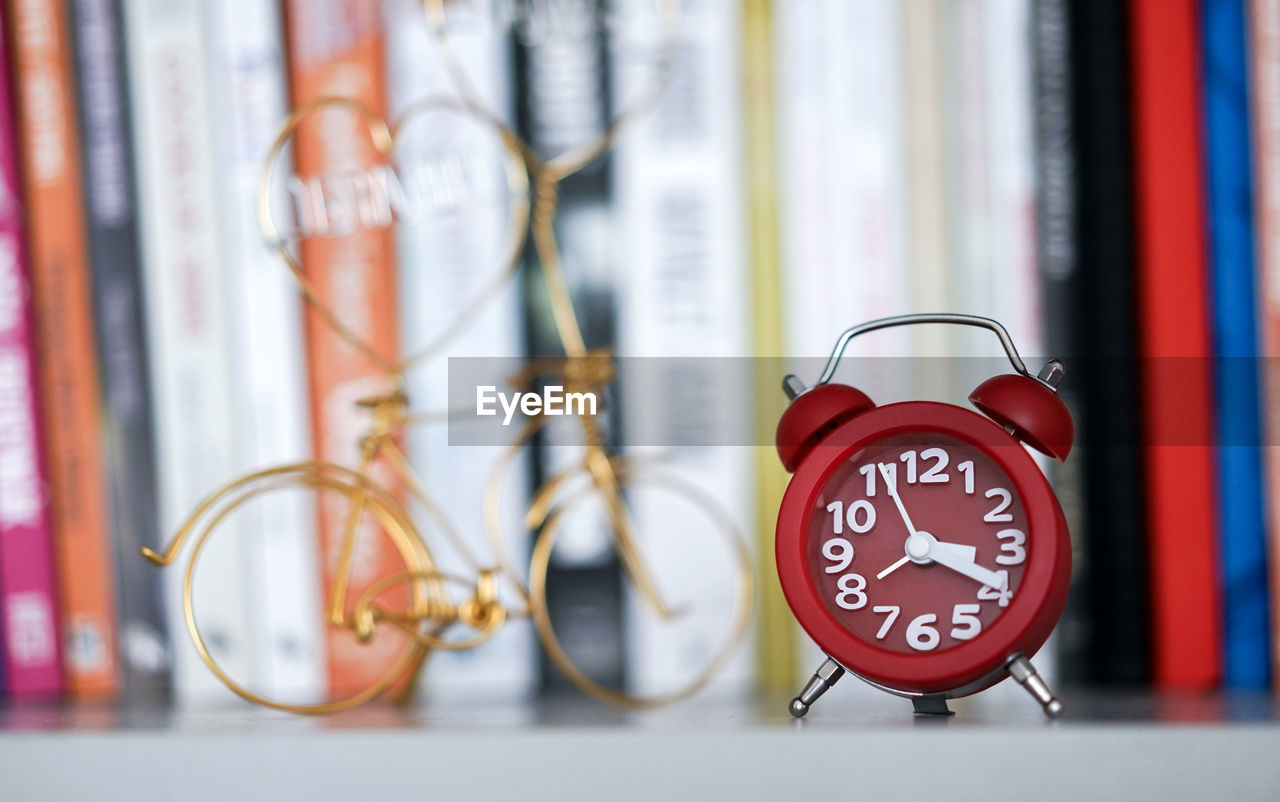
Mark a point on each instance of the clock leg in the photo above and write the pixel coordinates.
(1020, 669)
(821, 681)
(931, 706)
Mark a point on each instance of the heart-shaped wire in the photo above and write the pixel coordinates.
(571, 161)
(385, 138)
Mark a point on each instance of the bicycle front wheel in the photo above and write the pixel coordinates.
(713, 626)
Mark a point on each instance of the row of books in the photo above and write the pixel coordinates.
(1102, 178)
(164, 349)
(1159, 177)
(906, 182)
(1092, 174)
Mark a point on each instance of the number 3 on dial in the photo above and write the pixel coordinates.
(1012, 552)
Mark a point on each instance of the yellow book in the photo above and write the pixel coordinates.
(776, 630)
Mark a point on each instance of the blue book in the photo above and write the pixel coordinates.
(1242, 526)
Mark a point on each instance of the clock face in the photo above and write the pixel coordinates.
(917, 543)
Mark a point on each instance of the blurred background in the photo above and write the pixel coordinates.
(1101, 177)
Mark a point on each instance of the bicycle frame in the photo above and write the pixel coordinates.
(430, 611)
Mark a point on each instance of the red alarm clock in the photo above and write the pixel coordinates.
(918, 543)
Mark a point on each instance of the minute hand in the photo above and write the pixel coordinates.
(891, 486)
(957, 560)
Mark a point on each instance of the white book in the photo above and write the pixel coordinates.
(804, 219)
(844, 198)
(186, 326)
(966, 101)
(683, 335)
(990, 175)
(929, 254)
(447, 257)
(246, 72)
(843, 182)
(1016, 300)
(865, 192)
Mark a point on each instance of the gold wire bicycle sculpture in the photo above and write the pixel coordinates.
(432, 609)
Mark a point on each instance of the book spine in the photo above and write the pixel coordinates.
(28, 594)
(1055, 169)
(967, 112)
(842, 187)
(802, 149)
(777, 664)
(928, 254)
(562, 101)
(112, 230)
(1055, 178)
(336, 49)
(1241, 521)
(1015, 294)
(681, 282)
(186, 329)
(61, 286)
(1108, 373)
(445, 259)
(246, 70)
(1174, 334)
(1010, 167)
(1264, 43)
(865, 184)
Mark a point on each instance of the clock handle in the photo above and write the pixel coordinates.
(911, 320)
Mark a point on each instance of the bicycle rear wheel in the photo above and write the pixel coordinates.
(324, 480)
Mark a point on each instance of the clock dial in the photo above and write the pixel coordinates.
(931, 568)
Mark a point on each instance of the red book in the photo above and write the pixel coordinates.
(28, 594)
(1174, 333)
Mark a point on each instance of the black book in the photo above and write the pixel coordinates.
(1056, 257)
(563, 101)
(111, 217)
(1104, 329)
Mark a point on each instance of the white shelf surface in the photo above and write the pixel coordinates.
(857, 747)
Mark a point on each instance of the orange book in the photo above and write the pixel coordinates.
(61, 286)
(336, 49)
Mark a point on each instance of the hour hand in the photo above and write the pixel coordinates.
(967, 553)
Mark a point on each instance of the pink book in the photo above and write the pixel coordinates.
(28, 615)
